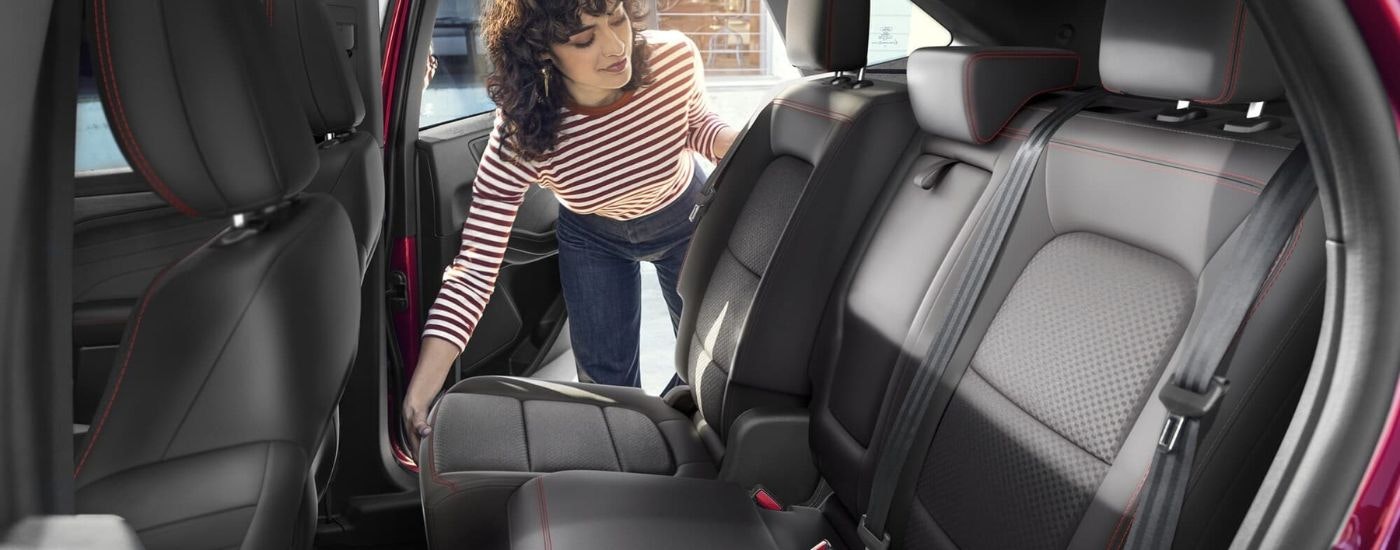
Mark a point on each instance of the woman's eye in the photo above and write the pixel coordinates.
(584, 44)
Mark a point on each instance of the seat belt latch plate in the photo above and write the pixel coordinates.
(870, 539)
(1183, 405)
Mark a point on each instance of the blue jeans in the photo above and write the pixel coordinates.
(598, 268)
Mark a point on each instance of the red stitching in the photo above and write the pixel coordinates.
(1278, 269)
(269, 11)
(1232, 70)
(969, 99)
(431, 461)
(1238, 176)
(544, 515)
(813, 110)
(124, 129)
(1128, 515)
(126, 361)
(1216, 180)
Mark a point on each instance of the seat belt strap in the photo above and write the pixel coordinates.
(1197, 387)
(985, 247)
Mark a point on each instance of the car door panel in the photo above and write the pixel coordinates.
(521, 319)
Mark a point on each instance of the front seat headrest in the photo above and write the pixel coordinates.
(316, 65)
(828, 35)
(1207, 51)
(198, 104)
(971, 93)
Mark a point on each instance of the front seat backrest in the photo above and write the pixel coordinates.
(236, 354)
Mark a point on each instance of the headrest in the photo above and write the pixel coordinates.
(970, 93)
(194, 106)
(828, 35)
(1208, 51)
(316, 65)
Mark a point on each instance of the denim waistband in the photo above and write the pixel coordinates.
(672, 219)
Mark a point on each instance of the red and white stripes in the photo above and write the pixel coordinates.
(622, 161)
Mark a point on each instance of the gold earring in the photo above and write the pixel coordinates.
(544, 73)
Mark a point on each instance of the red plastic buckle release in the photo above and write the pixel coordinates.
(764, 500)
(823, 545)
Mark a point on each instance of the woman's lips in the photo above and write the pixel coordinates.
(616, 67)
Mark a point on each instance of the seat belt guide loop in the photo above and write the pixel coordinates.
(870, 539)
(1183, 402)
(707, 194)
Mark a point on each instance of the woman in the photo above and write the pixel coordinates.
(609, 118)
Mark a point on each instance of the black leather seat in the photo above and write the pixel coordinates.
(352, 161)
(115, 257)
(1042, 429)
(763, 259)
(236, 353)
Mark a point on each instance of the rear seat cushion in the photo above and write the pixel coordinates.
(502, 424)
(491, 434)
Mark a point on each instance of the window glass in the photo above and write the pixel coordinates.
(457, 88)
(733, 35)
(898, 27)
(740, 46)
(95, 149)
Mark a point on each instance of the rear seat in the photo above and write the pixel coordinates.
(788, 203)
(1043, 428)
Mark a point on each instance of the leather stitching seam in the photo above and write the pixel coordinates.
(102, 27)
(969, 99)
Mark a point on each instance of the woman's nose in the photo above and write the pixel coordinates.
(617, 47)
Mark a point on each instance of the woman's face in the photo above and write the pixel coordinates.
(598, 58)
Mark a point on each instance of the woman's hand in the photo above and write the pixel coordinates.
(434, 360)
(724, 140)
(415, 421)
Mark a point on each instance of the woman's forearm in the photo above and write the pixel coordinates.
(434, 361)
(724, 140)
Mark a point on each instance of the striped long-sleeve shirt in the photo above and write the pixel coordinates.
(622, 161)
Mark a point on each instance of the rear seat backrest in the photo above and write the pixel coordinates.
(791, 198)
(906, 251)
(1048, 411)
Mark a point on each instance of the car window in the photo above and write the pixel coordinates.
(740, 46)
(457, 88)
(898, 27)
(95, 150)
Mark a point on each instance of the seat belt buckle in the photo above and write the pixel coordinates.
(823, 545)
(765, 500)
(869, 538)
(1183, 404)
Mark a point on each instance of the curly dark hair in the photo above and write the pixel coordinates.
(517, 32)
